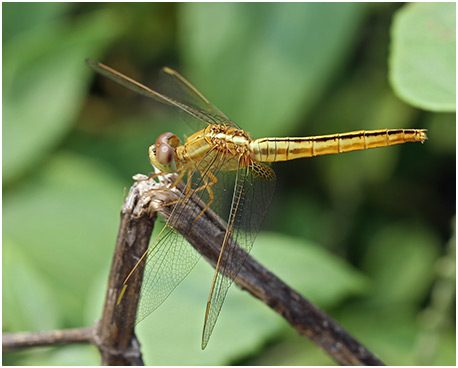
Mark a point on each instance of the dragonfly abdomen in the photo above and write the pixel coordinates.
(285, 149)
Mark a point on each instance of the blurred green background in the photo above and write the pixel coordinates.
(367, 236)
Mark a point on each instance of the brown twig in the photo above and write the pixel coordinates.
(20, 340)
(114, 334)
(206, 237)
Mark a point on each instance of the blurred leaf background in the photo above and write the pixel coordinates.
(367, 236)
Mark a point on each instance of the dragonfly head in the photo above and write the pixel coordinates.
(162, 154)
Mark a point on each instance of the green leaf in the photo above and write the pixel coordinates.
(44, 86)
(60, 230)
(245, 324)
(321, 276)
(31, 15)
(28, 300)
(388, 331)
(292, 350)
(265, 65)
(401, 260)
(423, 56)
(70, 355)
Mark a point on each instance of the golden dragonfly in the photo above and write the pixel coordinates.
(226, 169)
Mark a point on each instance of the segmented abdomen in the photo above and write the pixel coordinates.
(284, 149)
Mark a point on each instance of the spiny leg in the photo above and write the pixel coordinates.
(187, 189)
(207, 185)
(189, 192)
(174, 184)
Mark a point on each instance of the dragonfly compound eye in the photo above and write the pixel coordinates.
(163, 157)
(168, 138)
(165, 154)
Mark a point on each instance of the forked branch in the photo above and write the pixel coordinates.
(114, 333)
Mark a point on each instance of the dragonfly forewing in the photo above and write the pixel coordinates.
(178, 93)
(178, 88)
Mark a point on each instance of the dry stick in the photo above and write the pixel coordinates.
(20, 340)
(206, 237)
(115, 332)
(115, 336)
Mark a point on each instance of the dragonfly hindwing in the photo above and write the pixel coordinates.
(263, 171)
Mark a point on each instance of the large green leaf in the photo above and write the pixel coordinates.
(265, 65)
(59, 230)
(31, 15)
(423, 55)
(28, 299)
(70, 355)
(401, 260)
(44, 84)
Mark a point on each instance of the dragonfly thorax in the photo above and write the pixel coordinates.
(226, 147)
(229, 140)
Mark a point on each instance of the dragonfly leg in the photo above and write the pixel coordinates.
(156, 175)
(175, 183)
(207, 186)
(189, 191)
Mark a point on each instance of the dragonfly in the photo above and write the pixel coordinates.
(231, 174)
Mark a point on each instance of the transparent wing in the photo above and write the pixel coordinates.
(169, 261)
(177, 87)
(252, 190)
(182, 95)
